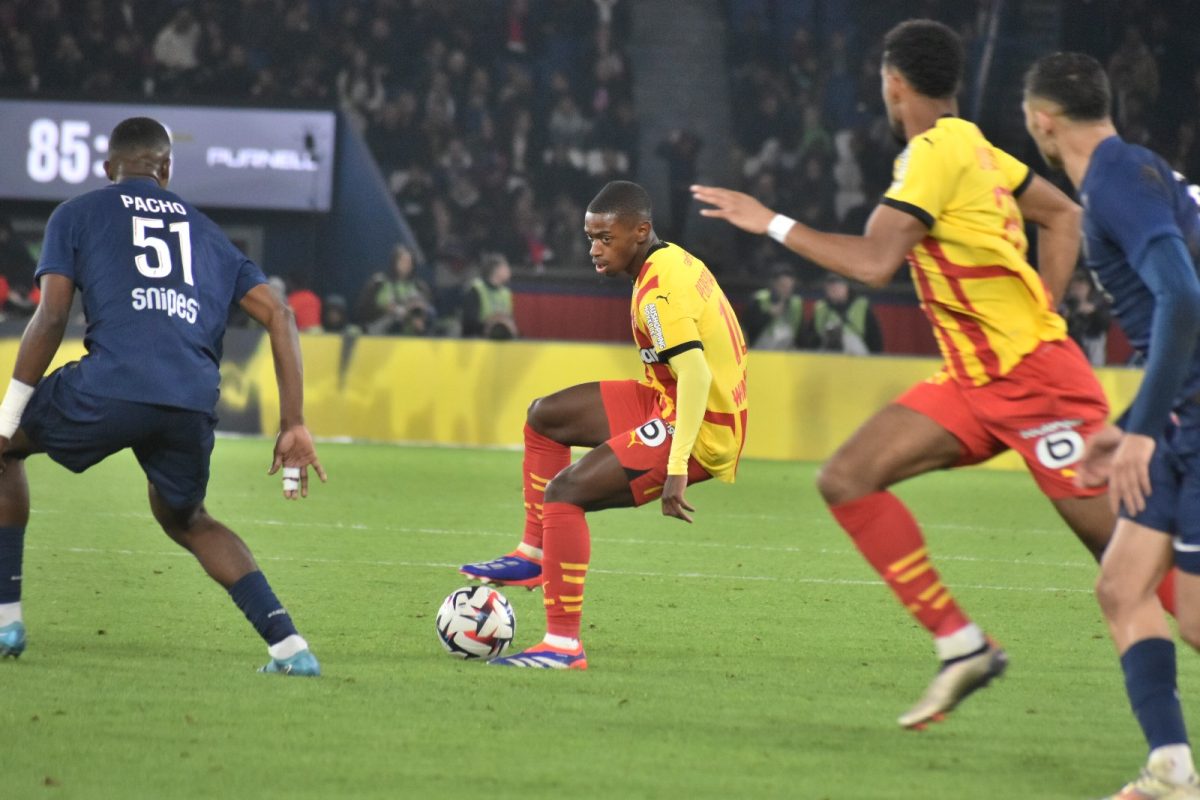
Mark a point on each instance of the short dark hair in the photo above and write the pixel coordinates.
(1075, 82)
(928, 54)
(139, 134)
(624, 199)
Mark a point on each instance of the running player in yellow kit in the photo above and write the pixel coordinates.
(683, 423)
(1011, 379)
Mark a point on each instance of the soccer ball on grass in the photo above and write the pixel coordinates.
(476, 622)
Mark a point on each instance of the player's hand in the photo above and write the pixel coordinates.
(1094, 467)
(294, 451)
(1129, 478)
(736, 208)
(673, 502)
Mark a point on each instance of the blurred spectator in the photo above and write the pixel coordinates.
(487, 308)
(17, 291)
(680, 150)
(335, 316)
(1086, 310)
(177, 45)
(842, 321)
(1134, 75)
(470, 108)
(774, 315)
(360, 87)
(306, 306)
(397, 302)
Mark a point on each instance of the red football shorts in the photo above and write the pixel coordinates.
(643, 442)
(1044, 409)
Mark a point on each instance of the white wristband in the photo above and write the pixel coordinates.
(13, 406)
(779, 226)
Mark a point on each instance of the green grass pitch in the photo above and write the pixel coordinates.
(752, 654)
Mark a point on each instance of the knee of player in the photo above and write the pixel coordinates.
(179, 522)
(1189, 629)
(1113, 594)
(563, 488)
(535, 415)
(837, 484)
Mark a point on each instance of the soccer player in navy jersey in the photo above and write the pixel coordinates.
(1141, 235)
(158, 280)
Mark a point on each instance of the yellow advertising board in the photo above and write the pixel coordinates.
(456, 392)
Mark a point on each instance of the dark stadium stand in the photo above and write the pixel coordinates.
(492, 121)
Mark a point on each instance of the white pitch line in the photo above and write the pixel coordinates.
(622, 573)
(279, 523)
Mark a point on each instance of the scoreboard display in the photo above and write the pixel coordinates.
(247, 158)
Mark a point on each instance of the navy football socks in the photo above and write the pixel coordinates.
(12, 547)
(254, 597)
(1149, 667)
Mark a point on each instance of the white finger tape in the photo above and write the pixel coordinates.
(291, 472)
(291, 484)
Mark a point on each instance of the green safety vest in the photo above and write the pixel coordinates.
(492, 300)
(772, 336)
(855, 318)
(398, 292)
(795, 309)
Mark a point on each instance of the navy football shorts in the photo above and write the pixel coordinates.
(1173, 506)
(78, 430)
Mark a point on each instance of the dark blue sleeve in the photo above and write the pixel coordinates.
(249, 276)
(59, 244)
(1167, 269)
(1134, 207)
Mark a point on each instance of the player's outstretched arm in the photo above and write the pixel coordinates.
(39, 343)
(872, 258)
(294, 450)
(1057, 217)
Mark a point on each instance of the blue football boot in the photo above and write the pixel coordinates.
(303, 664)
(12, 640)
(514, 569)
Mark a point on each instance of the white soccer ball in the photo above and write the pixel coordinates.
(476, 622)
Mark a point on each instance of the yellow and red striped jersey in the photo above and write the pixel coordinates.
(989, 308)
(677, 304)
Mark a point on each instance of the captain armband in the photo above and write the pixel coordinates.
(13, 406)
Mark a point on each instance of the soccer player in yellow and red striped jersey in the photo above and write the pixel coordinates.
(1011, 378)
(683, 423)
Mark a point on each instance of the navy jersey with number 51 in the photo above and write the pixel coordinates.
(158, 279)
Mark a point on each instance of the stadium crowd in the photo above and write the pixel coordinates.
(492, 120)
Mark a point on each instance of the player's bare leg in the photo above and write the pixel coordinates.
(222, 553)
(1131, 570)
(572, 417)
(597, 481)
(229, 562)
(895, 444)
(1092, 520)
